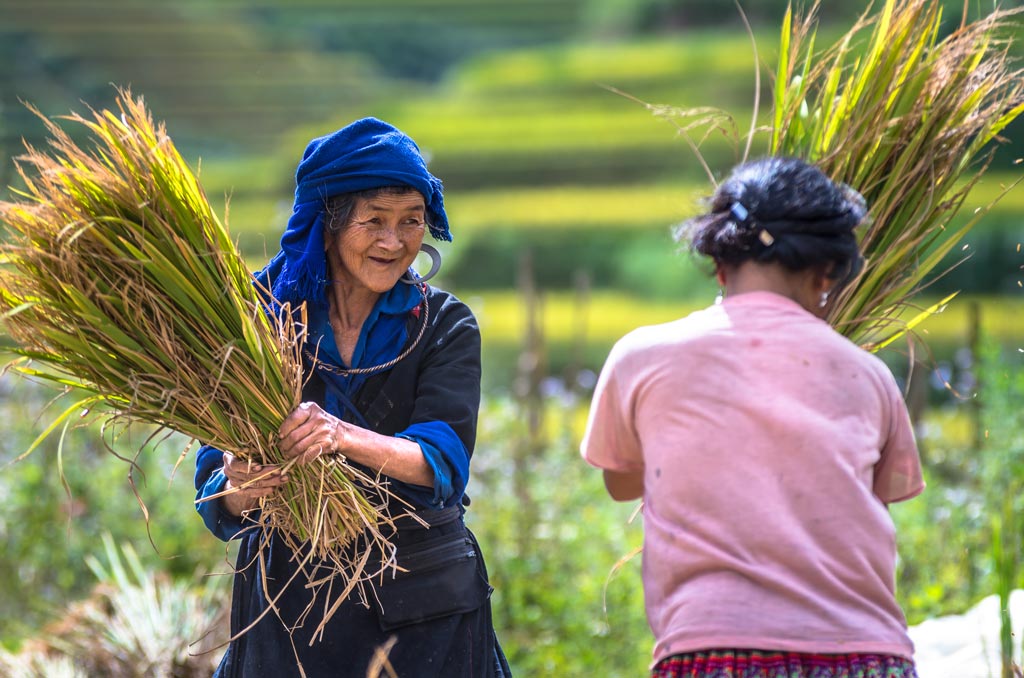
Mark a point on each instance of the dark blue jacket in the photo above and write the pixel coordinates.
(439, 611)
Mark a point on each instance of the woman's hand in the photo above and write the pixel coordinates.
(624, 485)
(308, 432)
(250, 482)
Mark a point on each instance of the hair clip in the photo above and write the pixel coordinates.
(739, 212)
(853, 195)
(765, 237)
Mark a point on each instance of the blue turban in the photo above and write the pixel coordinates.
(367, 154)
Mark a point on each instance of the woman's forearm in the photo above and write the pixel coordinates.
(309, 432)
(397, 458)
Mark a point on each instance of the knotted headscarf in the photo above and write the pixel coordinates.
(367, 154)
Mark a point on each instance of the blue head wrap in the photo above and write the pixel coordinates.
(367, 154)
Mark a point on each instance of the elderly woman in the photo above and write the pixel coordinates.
(395, 388)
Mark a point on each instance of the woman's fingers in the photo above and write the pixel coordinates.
(251, 491)
(307, 433)
(240, 472)
(322, 445)
(270, 481)
(248, 482)
(299, 416)
(269, 475)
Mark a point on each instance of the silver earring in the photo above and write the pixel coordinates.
(411, 277)
(721, 295)
(824, 300)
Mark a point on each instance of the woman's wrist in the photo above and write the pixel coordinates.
(237, 503)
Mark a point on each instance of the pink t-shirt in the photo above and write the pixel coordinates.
(770, 446)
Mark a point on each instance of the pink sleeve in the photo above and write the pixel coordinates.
(898, 471)
(610, 441)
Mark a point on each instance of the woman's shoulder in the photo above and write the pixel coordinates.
(842, 350)
(701, 325)
(438, 296)
(443, 302)
(449, 316)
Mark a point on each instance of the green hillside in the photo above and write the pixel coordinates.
(536, 153)
(214, 82)
(537, 156)
(238, 74)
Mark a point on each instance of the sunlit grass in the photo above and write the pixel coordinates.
(259, 218)
(543, 126)
(223, 176)
(1001, 319)
(582, 207)
(606, 317)
(609, 315)
(608, 62)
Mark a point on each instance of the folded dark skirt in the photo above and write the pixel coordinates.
(433, 615)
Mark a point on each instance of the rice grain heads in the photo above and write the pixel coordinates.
(908, 118)
(118, 281)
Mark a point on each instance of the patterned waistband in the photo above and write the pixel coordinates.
(764, 664)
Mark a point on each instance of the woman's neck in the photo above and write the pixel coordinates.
(349, 308)
(803, 287)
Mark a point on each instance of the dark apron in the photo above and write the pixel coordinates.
(438, 612)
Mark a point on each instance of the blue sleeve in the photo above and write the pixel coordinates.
(447, 456)
(210, 480)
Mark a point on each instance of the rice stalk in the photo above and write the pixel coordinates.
(908, 119)
(119, 280)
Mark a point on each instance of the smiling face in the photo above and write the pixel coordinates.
(378, 243)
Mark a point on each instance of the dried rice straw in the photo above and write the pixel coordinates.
(119, 281)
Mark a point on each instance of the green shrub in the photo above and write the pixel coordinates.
(48, 530)
(552, 539)
(138, 623)
(973, 454)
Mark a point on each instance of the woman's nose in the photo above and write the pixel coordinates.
(388, 238)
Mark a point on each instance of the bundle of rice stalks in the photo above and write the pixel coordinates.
(907, 119)
(118, 280)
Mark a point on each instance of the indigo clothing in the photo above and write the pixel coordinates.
(439, 611)
(367, 154)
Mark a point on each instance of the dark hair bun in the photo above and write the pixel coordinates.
(785, 210)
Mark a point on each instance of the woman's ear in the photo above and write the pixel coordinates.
(823, 286)
(720, 274)
(823, 280)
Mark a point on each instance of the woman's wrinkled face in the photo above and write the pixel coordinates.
(379, 243)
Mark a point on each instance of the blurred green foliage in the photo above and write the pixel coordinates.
(532, 149)
(62, 497)
(552, 540)
(537, 157)
(962, 539)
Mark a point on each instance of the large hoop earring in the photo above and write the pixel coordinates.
(435, 266)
